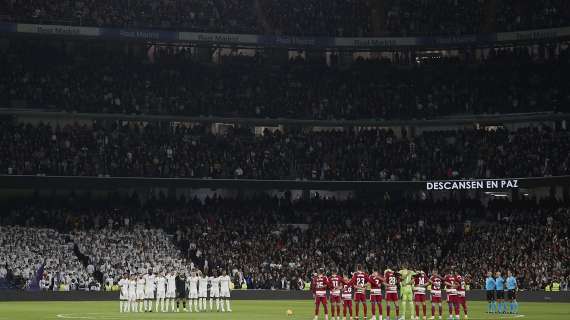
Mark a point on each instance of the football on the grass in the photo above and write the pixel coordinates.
(289, 312)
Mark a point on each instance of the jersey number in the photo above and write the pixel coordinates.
(360, 281)
(392, 281)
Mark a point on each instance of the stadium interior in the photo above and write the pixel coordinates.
(282, 142)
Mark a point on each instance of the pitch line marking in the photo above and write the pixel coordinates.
(92, 316)
(98, 316)
(501, 317)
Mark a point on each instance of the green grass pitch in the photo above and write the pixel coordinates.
(242, 310)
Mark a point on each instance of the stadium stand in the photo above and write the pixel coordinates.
(170, 81)
(320, 17)
(314, 17)
(271, 242)
(58, 240)
(116, 251)
(520, 15)
(452, 17)
(122, 149)
(230, 16)
(39, 257)
(447, 17)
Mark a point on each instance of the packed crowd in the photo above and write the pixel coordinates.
(452, 17)
(320, 17)
(114, 252)
(122, 149)
(271, 243)
(513, 15)
(227, 16)
(314, 17)
(43, 255)
(536, 259)
(94, 79)
(434, 17)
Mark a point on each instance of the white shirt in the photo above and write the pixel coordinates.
(132, 287)
(140, 285)
(124, 285)
(203, 284)
(171, 283)
(215, 284)
(150, 282)
(225, 283)
(160, 284)
(193, 284)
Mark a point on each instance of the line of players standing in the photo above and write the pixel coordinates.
(170, 291)
(497, 287)
(341, 288)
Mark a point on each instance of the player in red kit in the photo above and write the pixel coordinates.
(319, 286)
(421, 281)
(436, 284)
(359, 281)
(346, 295)
(335, 287)
(391, 281)
(451, 291)
(460, 299)
(376, 294)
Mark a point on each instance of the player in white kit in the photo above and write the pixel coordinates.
(170, 290)
(140, 292)
(133, 293)
(203, 291)
(193, 292)
(225, 291)
(160, 292)
(124, 293)
(149, 288)
(215, 290)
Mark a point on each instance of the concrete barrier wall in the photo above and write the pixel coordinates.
(20, 295)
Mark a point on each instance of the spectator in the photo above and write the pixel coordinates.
(103, 80)
(305, 18)
(26, 251)
(125, 150)
(255, 238)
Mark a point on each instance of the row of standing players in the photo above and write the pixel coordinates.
(341, 288)
(497, 288)
(172, 290)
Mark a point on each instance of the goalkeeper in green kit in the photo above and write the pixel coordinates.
(406, 293)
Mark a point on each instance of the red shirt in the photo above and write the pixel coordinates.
(346, 290)
(420, 283)
(375, 284)
(436, 283)
(359, 281)
(320, 284)
(460, 281)
(391, 282)
(336, 283)
(450, 288)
